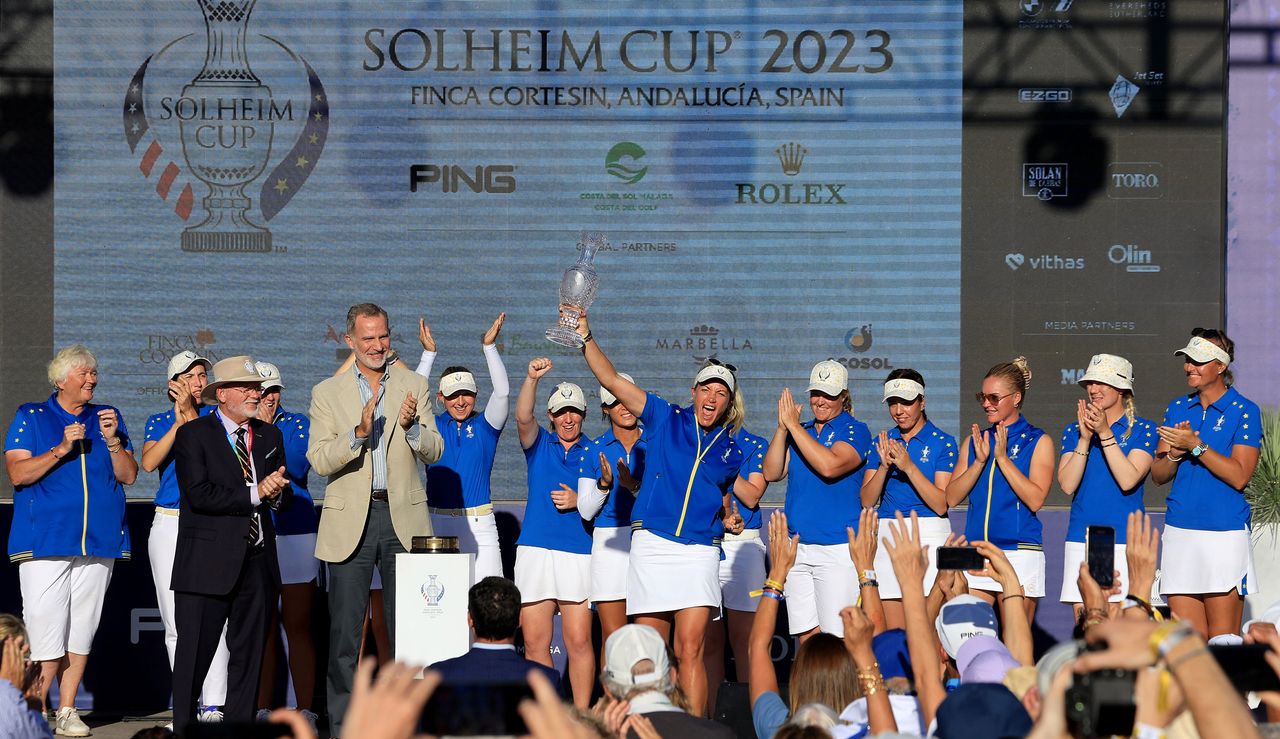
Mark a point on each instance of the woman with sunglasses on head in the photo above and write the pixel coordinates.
(1209, 441)
(1008, 468)
(458, 494)
(692, 468)
(907, 470)
(819, 458)
(1106, 455)
(608, 483)
(553, 553)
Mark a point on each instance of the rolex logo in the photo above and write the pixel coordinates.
(791, 156)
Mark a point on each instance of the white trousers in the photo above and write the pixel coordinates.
(162, 544)
(62, 603)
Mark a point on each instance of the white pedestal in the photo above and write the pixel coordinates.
(431, 606)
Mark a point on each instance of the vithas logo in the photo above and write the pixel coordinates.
(1015, 261)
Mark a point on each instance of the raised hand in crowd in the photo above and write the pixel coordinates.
(858, 633)
(1141, 554)
(21, 672)
(1123, 644)
(910, 562)
(299, 727)
(762, 677)
(491, 334)
(547, 717)
(1159, 699)
(862, 550)
(1096, 602)
(424, 335)
(387, 707)
(1016, 623)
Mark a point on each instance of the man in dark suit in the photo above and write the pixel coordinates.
(230, 467)
(493, 612)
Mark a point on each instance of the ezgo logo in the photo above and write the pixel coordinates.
(859, 340)
(623, 162)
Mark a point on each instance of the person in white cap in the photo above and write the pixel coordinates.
(1209, 441)
(295, 549)
(608, 483)
(458, 493)
(1010, 466)
(1106, 455)
(820, 459)
(188, 374)
(68, 459)
(638, 671)
(693, 466)
(907, 470)
(553, 553)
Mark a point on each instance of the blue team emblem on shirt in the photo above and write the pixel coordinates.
(432, 591)
(924, 456)
(831, 435)
(1013, 453)
(725, 457)
(470, 434)
(1218, 426)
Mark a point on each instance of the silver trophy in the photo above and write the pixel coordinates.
(577, 290)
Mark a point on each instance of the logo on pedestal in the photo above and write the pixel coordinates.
(228, 121)
(432, 591)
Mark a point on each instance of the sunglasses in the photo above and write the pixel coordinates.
(991, 398)
(726, 365)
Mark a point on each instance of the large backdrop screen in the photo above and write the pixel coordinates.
(780, 184)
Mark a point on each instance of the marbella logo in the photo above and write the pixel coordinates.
(226, 122)
(791, 158)
(704, 342)
(623, 162)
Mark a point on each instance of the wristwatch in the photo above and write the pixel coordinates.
(1199, 449)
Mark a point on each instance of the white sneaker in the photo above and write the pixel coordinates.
(209, 715)
(68, 723)
(262, 715)
(311, 718)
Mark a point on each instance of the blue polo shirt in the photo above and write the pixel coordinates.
(753, 451)
(1199, 500)
(616, 511)
(157, 426)
(818, 509)
(996, 513)
(933, 450)
(550, 465)
(77, 508)
(460, 479)
(686, 476)
(300, 517)
(1099, 501)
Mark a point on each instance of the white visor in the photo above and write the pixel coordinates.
(456, 382)
(903, 388)
(1200, 349)
(715, 372)
(606, 397)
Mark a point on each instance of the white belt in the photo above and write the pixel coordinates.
(167, 511)
(480, 510)
(746, 535)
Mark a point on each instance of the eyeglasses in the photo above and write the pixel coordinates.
(246, 389)
(718, 363)
(991, 398)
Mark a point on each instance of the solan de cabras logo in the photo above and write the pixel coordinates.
(225, 126)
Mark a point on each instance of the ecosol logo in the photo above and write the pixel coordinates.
(1135, 180)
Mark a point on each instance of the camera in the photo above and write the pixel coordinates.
(1100, 703)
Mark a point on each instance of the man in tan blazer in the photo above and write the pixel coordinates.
(369, 442)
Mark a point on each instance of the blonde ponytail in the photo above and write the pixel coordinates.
(1130, 414)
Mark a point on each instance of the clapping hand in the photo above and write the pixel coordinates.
(882, 447)
(1000, 446)
(981, 445)
(1180, 437)
(788, 411)
(270, 486)
(605, 481)
(1082, 421)
(365, 428)
(408, 411)
(626, 479)
(565, 499)
(898, 456)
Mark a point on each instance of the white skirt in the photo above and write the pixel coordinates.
(667, 576)
(547, 574)
(1194, 562)
(1028, 564)
(742, 570)
(610, 557)
(1073, 557)
(933, 533)
(297, 555)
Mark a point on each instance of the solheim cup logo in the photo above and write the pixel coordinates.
(227, 122)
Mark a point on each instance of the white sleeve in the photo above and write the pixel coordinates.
(495, 411)
(590, 498)
(424, 364)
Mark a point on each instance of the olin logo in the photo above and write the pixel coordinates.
(497, 179)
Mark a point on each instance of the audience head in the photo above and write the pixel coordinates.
(962, 618)
(982, 711)
(823, 672)
(493, 605)
(11, 627)
(984, 659)
(635, 661)
(810, 721)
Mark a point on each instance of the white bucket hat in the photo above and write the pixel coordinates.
(1202, 350)
(567, 395)
(1109, 369)
(185, 360)
(829, 377)
(606, 397)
